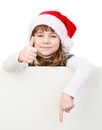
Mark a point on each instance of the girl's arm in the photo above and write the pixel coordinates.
(20, 61)
(82, 69)
(11, 64)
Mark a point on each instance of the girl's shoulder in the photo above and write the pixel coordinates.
(70, 55)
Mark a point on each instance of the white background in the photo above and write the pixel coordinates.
(16, 15)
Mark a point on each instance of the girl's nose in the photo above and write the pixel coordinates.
(46, 40)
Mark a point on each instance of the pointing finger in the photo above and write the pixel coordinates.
(61, 115)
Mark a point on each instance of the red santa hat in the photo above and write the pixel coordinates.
(60, 23)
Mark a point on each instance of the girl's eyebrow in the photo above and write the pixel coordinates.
(39, 32)
(53, 33)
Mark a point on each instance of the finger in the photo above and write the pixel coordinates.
(67, 111)
(61, 115)
(33, 53)
(29, 61)
(33, 49)
(31, 57)
(31, 43)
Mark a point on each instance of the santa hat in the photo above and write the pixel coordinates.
(60, 23)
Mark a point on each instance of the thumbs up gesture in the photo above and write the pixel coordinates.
(29, 53)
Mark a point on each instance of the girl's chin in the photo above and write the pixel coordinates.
(44, 55)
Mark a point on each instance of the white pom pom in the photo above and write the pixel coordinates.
(67, 43)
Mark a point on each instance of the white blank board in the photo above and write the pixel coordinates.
(29, 100)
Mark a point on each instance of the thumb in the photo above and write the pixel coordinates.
(31, 43)
(61, 115)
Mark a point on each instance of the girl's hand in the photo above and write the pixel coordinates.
(66, 104)
(29, 53)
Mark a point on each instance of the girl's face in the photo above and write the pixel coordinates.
(46, 42)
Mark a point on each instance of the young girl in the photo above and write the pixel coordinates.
(49, 44)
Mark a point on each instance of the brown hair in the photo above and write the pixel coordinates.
(59, 58)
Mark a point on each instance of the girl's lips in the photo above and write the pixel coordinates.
(46, 48)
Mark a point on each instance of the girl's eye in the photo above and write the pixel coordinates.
(39, 35)
(53, 36)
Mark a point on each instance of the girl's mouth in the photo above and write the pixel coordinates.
(45, 47)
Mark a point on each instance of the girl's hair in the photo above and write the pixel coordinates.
(59, 58)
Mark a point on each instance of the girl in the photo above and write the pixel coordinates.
(49, 44)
